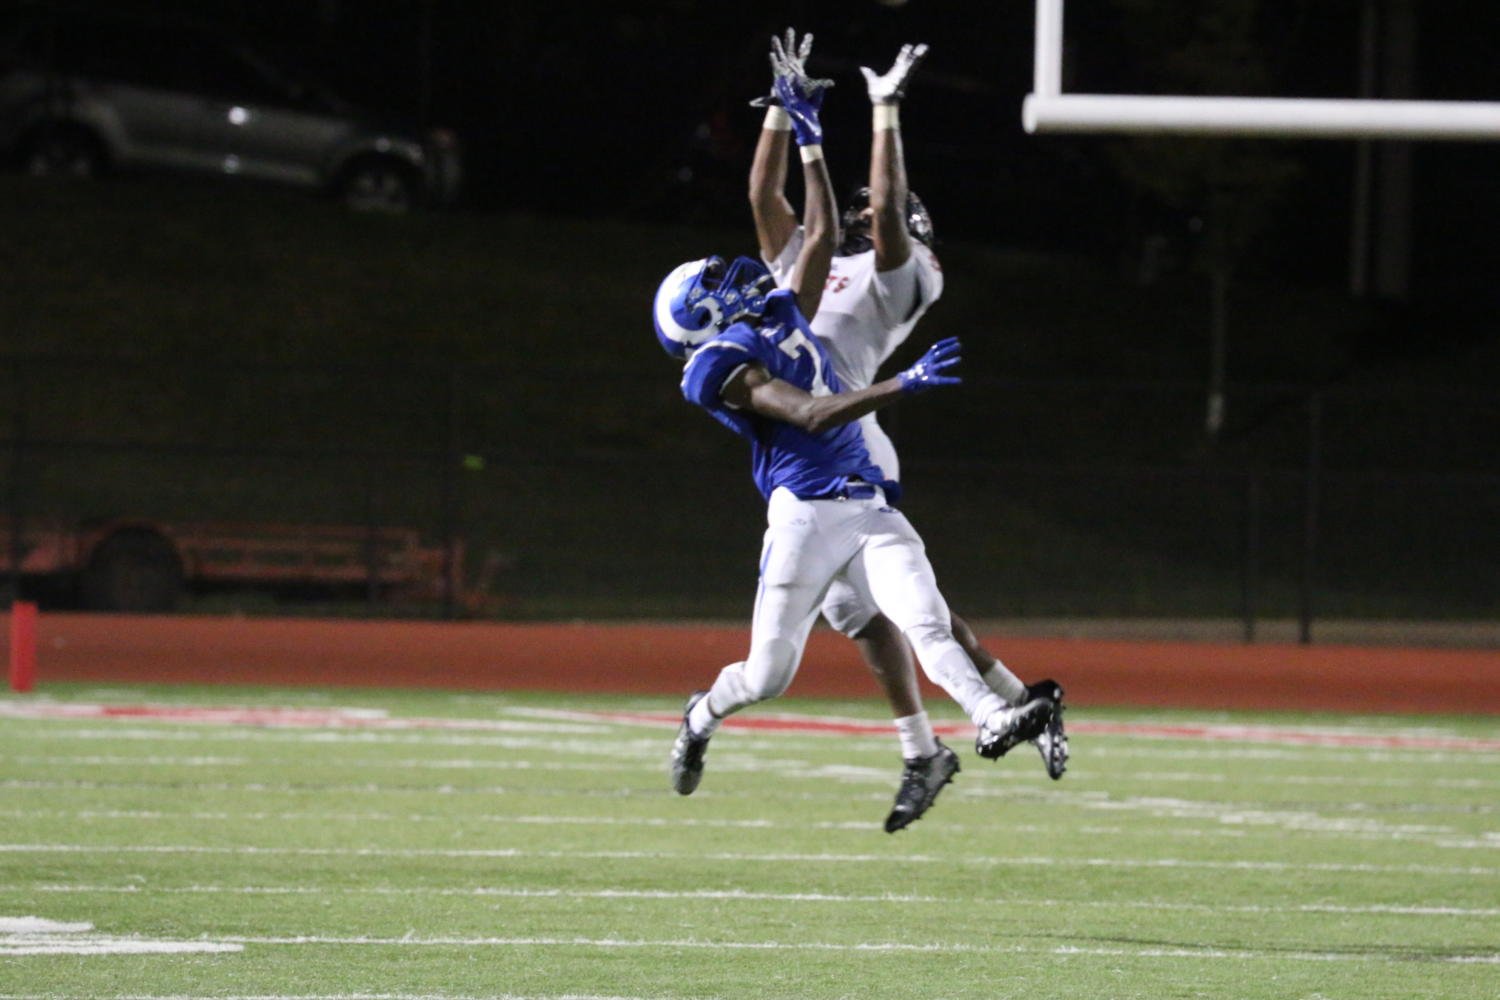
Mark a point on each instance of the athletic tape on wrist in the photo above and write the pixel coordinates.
(811, 153)
(887, 116)
(777, 120)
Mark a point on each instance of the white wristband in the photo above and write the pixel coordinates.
(887, 116)
(811, 153)
(777, 120)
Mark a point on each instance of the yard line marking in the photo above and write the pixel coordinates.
(743, 742)
(1377, 909)
(40, 936)
(883, 859)
(1233, 821)
(459, 764)
(324, 996)
(739, 761)
(1182, 731)
(1089, 800)
(354, 718)
(871, 946)
(318, 718)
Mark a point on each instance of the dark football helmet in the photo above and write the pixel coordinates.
(856, 224)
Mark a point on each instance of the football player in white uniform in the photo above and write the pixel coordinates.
(882, 280)
(753, 364)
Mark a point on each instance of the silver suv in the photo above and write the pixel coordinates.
(82, 93)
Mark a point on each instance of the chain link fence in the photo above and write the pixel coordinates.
(524, 492)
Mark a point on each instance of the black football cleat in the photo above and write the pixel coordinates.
(688, 750)
(1051, 742)
(921, 781)
(1022, 723)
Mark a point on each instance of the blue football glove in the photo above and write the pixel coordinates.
(800, 96)
(928, 372)
(802, 107)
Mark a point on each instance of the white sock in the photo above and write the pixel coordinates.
(700, 720)
(917, 738)
(1004, 683)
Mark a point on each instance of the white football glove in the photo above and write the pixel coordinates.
(789, 59)
(890, 87)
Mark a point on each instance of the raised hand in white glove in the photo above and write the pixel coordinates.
(890, 86)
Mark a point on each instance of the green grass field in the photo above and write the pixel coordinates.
(442, 845)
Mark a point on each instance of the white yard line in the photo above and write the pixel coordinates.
(1405, 738)
(1232, 822)
(1097, 748)
(1374, 909)
(864, 947)
(1464, 871)
(330, 996)
(738, 762)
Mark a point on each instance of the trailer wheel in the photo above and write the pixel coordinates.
(133, 570)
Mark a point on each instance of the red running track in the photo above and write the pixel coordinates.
(674, 659)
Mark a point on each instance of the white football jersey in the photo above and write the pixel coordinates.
(865, 314)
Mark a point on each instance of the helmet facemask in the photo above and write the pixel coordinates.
(701, 298)
(856, 223)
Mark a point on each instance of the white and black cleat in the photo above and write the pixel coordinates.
(688, 750)
(1017, 725)
(921, 781)
(1051, 742)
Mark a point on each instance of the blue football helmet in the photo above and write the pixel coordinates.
(701, 298)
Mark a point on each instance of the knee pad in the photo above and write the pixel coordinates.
(769, 668)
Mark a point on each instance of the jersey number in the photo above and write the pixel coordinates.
(793, 345)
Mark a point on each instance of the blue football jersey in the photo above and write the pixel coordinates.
(807, 464)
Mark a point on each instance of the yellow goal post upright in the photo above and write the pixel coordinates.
(1047, 109)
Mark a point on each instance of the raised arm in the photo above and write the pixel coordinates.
(888, 160)
(775, 218)
(753, 388)
(801, 98)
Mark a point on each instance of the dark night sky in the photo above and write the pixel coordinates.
(638, 109)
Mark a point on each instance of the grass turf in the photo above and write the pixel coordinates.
(531, 851)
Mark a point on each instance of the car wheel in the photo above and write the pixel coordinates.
(62, 149)
(133, 570)
(379, 185)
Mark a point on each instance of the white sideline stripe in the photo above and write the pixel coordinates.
(1377, 909)
(882, 859)
(935, 947)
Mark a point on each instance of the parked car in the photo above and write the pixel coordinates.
(81, 93)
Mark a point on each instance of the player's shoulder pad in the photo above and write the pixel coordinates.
(781, 307)
(711, 364)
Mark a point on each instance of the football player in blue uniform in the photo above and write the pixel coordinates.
(754, 364)
(883, 278)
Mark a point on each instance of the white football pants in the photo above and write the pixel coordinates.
(810, 543)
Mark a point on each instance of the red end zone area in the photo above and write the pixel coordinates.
(674, 659)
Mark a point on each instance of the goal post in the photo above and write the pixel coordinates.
(1048, 109)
